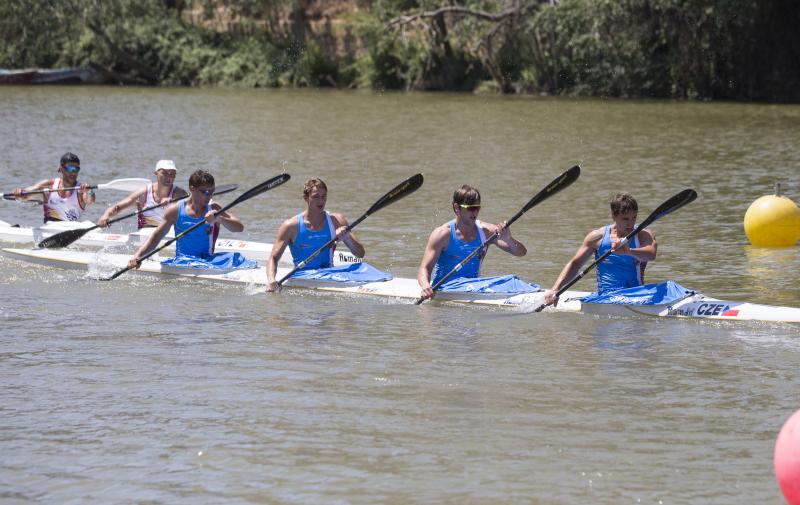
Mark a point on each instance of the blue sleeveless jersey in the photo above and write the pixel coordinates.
(618, 270)
(456, 251)
(199, 242)
(308, 241)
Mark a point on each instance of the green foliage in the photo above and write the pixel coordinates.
(387, 62)
(247, 64)
(32, 33)
(697, 49)
(677, 48)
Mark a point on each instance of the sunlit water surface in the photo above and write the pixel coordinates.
(147, 391)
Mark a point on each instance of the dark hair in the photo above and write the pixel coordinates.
(623, 203)
(70, 158)
(201, 178)
(311, 184)
(467, 195)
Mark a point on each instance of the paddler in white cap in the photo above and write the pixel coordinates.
(160, 192)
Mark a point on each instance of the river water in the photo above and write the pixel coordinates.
(148, 391)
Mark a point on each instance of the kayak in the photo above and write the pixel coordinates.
(258, 251)
(692, 305)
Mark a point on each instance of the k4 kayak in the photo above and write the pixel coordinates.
(691, 306)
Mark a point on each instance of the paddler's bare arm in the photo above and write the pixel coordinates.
(350, 239)
(287, 233)
(123, 204)
(21, 193)
(646, 251)
(570, 270)
(227, 218)
(437, 242)
(86, 195)
(505, 241)
(170, 216)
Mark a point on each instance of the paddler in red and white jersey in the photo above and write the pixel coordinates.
(159, 192)
(450, 243)
(308, 231)
(61, 205)
(624, 268)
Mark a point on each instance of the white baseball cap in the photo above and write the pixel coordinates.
(166, 165)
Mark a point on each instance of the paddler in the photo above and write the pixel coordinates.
(624, 268)
(197, 247)
(162, 191)
(309, 230)
(61, 205)
(452, 242)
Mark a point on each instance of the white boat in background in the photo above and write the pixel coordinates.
(693, 306)
(24, 235)
(258, 251)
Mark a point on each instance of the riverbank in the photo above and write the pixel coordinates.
(662, 49)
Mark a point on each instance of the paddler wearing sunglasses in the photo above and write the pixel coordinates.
(198, 245)
(61, 205)
(453, 241)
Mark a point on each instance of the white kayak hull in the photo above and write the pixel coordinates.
(103, 264)
(258, 251)
(699, 306)
(696, 306)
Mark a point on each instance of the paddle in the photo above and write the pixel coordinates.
(65, 238)
(32, 202)
(562, 181)
(130, 184)
(403, 189)
(257, 190)
(671, 205)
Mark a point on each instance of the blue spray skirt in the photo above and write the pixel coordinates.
(350, 273)
(498, 284)
(219, 261)
(663, 293)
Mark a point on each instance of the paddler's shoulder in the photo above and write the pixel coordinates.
(595, 236)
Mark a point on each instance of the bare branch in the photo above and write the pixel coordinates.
(458, 10)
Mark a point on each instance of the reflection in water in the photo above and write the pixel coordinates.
(769, 269)
(622, 337)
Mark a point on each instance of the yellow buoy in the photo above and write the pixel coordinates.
(772, 220)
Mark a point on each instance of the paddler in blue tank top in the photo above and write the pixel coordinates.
(624, 268)
(198, 207)
(453, 241)
(306, 232)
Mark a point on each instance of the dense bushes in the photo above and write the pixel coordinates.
(732, 49)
